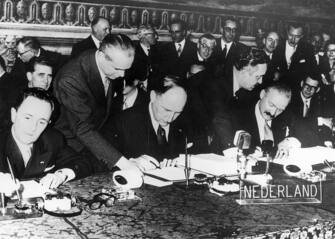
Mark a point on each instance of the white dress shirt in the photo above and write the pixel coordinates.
(104, 78)
(129, 100)
(182, 45)
(306, 102)
(96, 41)
(225, 44)
(25, 149)
(261, 122)
(289, 51)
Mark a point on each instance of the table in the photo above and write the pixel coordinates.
(168, 212)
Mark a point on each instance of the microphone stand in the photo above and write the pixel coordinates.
(187, 169)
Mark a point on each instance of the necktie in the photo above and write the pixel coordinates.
(106, 83)
(224, 51)
(306, 108)
(161, 137)
(267, 132)
(179, 49)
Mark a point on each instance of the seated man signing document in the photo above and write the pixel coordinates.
(34, 151)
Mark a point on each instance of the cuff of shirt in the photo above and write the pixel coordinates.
(66, 173)
(124, 163)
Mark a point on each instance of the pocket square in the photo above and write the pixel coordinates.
(49, 168)
(302, 61)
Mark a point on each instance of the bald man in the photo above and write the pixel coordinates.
(154, 129)
(100, 28)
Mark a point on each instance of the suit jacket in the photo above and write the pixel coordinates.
(324, 67)
(297, 106)
(84, 108)
(83, 45)
(171, 64)
(302, 64)
(224, 64)
(328, 101)
(49, 154)
(133, 134)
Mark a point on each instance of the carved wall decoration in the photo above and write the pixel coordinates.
(200, 16)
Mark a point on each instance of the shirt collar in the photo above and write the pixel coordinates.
(102, 75)
(96, 41)
(145, 48)
(22, 147)
(261, 121)
(305, 99)
(236, 85)
(223, 42)
(130, 100)
(182, 43)
(200, 58)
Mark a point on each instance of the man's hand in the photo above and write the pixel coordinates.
(145, 162)
(168, 163)
(8, 185)
(53, 180)
(325, 121)
(286, 145)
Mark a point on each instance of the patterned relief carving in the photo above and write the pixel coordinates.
(76, 13)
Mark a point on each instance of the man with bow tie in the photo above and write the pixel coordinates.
(34, 151)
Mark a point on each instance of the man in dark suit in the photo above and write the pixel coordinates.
(154, 129)
(177, 56)
(145, 66)
(270, 41)
(294, 58)
(27, 48)
(227, 47)
(235, 90)
(85, 88)
(32, 150)
(306, 104)
(100, 28)
(326, 62)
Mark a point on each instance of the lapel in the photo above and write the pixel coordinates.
(13, 153)
(94, 79)
(39, 160)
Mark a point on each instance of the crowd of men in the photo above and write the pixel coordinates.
(115, 104)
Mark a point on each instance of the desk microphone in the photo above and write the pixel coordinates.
(267, 148)
(242, 141)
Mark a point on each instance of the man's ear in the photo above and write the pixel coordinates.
(301, 83)
(318, 89)
(13, 114)
(29, 76)
(153, 95)
(263, 40)
(261, 95)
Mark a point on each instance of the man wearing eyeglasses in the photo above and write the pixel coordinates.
(85, 89)
(294, 58)
(228, 46)
(326, 62)
(306, 103)
(177, 56)
(27, 48)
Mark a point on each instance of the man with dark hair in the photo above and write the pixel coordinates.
(100, 28)
(305, 104)
(32, 150)
(27, 49)
(177, 56)
(85, 88)
(228, 46)
(270, 40)
(39, 73)
(154, 129)
(294, 58)
(236, 90)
